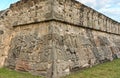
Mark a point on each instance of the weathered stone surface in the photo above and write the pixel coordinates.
(53, 38)
(31, 49)
(73, 12)
(80, 47)
(25, 12)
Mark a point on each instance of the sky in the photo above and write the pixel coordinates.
(4, 4)
(110, 8)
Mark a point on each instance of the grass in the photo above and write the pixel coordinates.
(7, 73)
(106, 70)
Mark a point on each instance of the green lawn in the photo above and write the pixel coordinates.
(7, 73)
(106, 70)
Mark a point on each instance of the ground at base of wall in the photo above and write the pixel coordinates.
(106, 70)
(7, 73)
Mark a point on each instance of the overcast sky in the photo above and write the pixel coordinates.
(110, 8)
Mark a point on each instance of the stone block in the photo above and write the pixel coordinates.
(52, 38)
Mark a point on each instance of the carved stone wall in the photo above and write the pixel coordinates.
(31, 49)
(53, 38)
(77, 48)
(73, 12)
